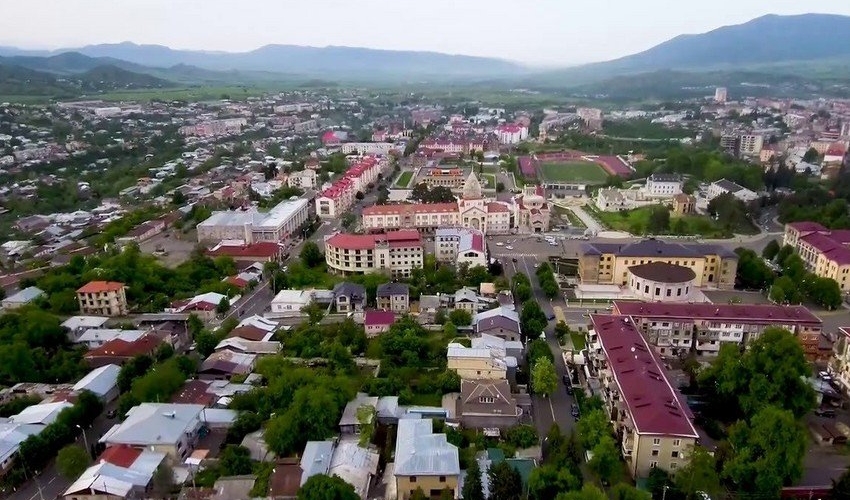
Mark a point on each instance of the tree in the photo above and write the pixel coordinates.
(605, 462)
(162, 482)
(545, 482)
(72, 461)
(752, 271)
(532, 319)
(785, 291)
(310, 255)
(223, 306)
(593, 426)
(522, 436)
(544, 380)
(178, 198)
(824, 292)
(460, 317)
(659, 220)
(472, 487)
(235, 460)
(771, 250)
(505, 482)
(623, 491)
(767, 452)
(536, 349)
(324, 487)
(784, 252)
(205, 343)
(587, 492)
(810, 155)
(500, 187)
(772, 371)
(359, 195)
(449, 329)
(699, 474)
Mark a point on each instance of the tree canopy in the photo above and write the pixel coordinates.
(324, 487)
(544, 380)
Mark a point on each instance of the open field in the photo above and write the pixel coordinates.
(574, 171)
(404, 179)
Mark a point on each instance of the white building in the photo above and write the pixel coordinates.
(460, 245)
(724, 186)
(720, 95)
(511, 133)
(305, 179)
(290, 302)
(663, 185)
(751, 144)
(367, 148)
(251, 225)
(396, 252)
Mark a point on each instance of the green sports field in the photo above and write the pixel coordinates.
(574, 171)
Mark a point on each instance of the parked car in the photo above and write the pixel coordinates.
(574, 410)
(824, 376)
(825, 412)
(111, 413)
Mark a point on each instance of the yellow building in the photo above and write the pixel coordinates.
(609, 263)
(649, 414)
(476, 363)
(424, 460)
(102, 298)
(825, 252)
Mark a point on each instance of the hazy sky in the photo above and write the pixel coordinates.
(532, 31)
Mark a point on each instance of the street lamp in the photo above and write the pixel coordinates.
(85, 439)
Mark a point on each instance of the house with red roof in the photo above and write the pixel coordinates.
(378, 322)
(102, 298)
(651, 416)
(825, 252)
(118, 351)
(120, 472)
(396, 252)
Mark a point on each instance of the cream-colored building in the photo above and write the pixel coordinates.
(102, 298)
(528, 212)
(472, 363)
(396, 252)
(825, 252)
(424, 460)
(608, 263)
(648, 412)
(839, 363)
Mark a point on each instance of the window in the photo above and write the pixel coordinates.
(654, 453)
(442, 479)
(677, 442)
(653, 464)
(674, 454)
(673, 465)
(656, 441)
(412, 479)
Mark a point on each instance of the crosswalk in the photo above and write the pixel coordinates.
(517, 255)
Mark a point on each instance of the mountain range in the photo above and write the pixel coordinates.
(792, 45)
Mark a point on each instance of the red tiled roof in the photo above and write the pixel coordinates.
(379, 318)
(248, 332)
(806, 226)
(237, 281)
(496, 207)
(264, 249)
(656, 407)
(100, 287)
(122, 456)
(367, 241)
(410, 209)
(740, 313)
(145, 344)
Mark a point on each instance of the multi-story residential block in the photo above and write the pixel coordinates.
(609, 263)
(750, 144)
(396, 252)
(663, 185)
(424, 460)
(336, 199)
(650, 417)
(368, 148)
(825, 252)
(250, 225)
(676, 329)
(460, 246)
(214, 128)
(511, 133)
(720, 95)
(393, 297)
(102, 298)
(305, 179)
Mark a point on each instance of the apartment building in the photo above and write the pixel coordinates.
(102, 298)
(460, 245)
(650, 417)
(396, 252)
(334, 201)
(678, 328)
(250, 225)
(305, 179)
(608, 263)
(825, 252)
(751, 144)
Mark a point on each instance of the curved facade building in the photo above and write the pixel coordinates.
(396, 252)
(662, 282)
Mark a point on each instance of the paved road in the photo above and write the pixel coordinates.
(587, 219)
(556, 407)
(49, 484)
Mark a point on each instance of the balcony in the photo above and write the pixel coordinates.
(628, 444)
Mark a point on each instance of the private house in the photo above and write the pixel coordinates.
(378, 322)
(424, 460)
(77, 325)
(648, 413)
(22, 298)
(120, 472)
(349, 297)
(349, 423)
(346, 459)
(467, 299)
(487, 404)
(501, 322)
(102, 298)
(118, 352)
(289, 303)
(172, 429)
(102, 382)
(96, 337)
(205, 305)
(393, 297)
(684, 204)
(477, 363)
(224, 364)
(12, 434)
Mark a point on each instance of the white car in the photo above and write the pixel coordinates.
(824, 376)
(509, 247)
(499, 244)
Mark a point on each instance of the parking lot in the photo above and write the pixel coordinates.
(171, 247)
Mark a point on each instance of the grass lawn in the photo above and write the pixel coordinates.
(578, 340)
(490, 179)
(574, 171)
(404, 179)
(636, 221)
